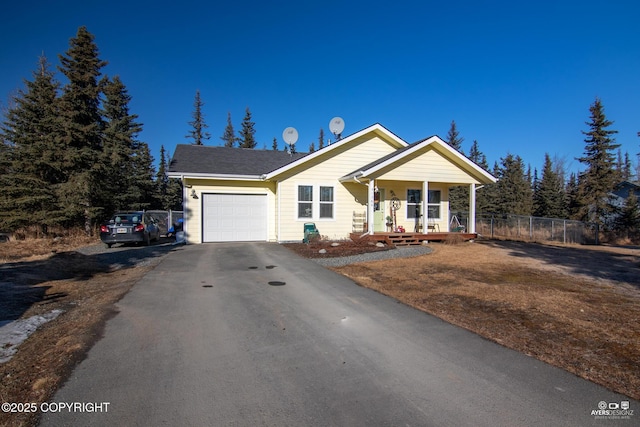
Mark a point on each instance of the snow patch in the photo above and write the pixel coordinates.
(12, 334)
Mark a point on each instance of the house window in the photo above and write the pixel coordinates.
(413, 203)
(305, 201)
(326, 202)
(433, 204)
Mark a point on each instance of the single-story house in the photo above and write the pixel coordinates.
(359, 183)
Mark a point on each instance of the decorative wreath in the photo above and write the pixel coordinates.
(395, 203)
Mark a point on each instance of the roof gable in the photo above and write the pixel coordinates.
(373, 130)
(398, 156)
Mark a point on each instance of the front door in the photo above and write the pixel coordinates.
(379, 221)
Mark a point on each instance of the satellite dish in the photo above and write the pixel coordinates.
(290, 135)
(336, 126)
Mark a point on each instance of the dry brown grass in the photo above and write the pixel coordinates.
(85, 290)
(577, 308)
(31, 249)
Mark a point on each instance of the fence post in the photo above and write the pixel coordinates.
(530, 228)
(564, 231)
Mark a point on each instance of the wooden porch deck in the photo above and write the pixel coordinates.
(410, 238)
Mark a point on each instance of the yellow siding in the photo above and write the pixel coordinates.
(193, 207)
(348, 197)
(428, 165)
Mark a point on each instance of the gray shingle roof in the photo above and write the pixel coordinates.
(205, 159)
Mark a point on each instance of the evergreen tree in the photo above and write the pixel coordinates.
(274, 146)
(82, 126)
(197, 133)
(453, 137)
(514, 188)
(483, 194)
(229, 135)
(487, 200)
(247, 138)
(600, 177)
(458, 195)
(168, 190)
(476, 156)
(321, 139)
(628, 221)
(119, 145)
(312, 147)
(549, 197)
(626, 172)
(573, 197)
(142, 183)
(162, 180)
(29, 159)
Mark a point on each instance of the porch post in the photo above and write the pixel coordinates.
(370, 205)
(425, 202)
(472, 208)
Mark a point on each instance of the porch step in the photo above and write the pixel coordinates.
(404, 239)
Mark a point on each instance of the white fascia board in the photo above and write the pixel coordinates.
(373, 128)
(216, 176)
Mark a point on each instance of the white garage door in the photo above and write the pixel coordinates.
(234, 217)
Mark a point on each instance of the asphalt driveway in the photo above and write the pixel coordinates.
(251, 334)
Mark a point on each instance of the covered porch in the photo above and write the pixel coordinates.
(399, 210)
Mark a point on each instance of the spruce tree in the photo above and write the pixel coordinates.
(29, 158)
(197, 133)
(247, 133)
(229, 136)
(483, 193)
(600, 177)
(82, 126)
(477, 156)
(162, 180)
(573, 197)
(453, 137)
(514, 187)
(549, 196)
(321, 139)
(458, 195)
(628, 220)
(142, 184)
(274, 145)
(119, 145)
(312, 147)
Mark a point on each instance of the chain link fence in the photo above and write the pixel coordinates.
(534, 229)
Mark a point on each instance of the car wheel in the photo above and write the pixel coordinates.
(109, 245)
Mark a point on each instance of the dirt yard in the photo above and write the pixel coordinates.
(574, 307)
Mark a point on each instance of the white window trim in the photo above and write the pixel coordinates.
(439, 205)
(406, 210)
(315, 202)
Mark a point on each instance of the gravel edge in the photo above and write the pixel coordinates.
(401, 252)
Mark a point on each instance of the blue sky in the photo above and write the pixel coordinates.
(517, 76)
